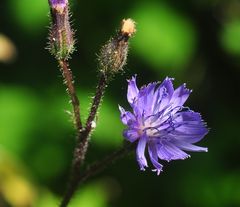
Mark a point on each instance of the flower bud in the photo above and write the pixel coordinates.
(113, 54)
(61, 39)
(58, 5)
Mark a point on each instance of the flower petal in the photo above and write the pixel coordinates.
(189, 127)
(163, 154)
(145, 99)
(180, 96)
(152, 150)
(132, 90)
(131, 134)
(168, 151)
(162, 95)
(141, 152)
(126, 116)
(189, 147)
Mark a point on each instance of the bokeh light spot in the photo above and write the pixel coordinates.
(31, 16)
(230, 37)
(165, 38)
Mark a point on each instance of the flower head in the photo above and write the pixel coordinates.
(160, 123)
(58, 5)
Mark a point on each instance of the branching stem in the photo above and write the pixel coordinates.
(82, 142)
(94, 169)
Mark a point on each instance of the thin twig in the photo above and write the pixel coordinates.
(94, 169)
(68, 80)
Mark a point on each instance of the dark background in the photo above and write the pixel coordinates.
(196, 42)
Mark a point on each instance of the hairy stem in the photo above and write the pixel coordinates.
(102, 84)
(68, 81)
(94, 169)
(101, 165)
(82, 142)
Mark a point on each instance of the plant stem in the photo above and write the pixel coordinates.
(101, 165)
(68, 81)
(94, 169)
(82, 142)
(102, 84)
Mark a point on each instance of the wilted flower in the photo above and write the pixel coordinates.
(161, 123)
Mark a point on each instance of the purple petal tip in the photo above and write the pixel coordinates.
(58, 5)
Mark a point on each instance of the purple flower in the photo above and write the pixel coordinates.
(58, 1)
(161, 123)
(57, 4)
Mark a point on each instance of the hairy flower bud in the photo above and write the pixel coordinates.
(61, 43)
(113, 54)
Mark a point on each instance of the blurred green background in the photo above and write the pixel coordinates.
(195, 41)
